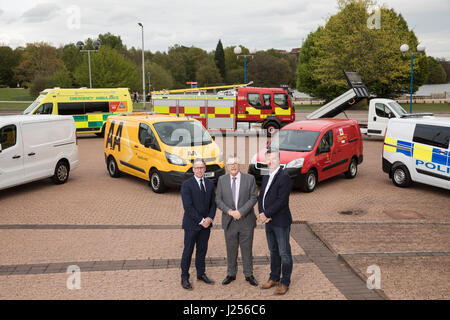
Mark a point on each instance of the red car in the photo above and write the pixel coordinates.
(314, 150)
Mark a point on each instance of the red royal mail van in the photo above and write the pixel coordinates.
(314, 150)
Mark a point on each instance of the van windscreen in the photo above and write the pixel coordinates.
(182, 133)
(294, 140)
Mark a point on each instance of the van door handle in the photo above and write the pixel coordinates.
(137, 147)
(32, 154)
(16, 157)
(339, 150)
(246, 112)
(374, 118)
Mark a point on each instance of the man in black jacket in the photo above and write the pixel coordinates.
(273, 205)
(199, 206)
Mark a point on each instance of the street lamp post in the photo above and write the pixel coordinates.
(404, 49)
(238, 51)
(96, 45)
(143, 67)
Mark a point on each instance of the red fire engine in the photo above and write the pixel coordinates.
(241, 105)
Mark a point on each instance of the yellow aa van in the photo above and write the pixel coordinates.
(159, 149)
(89, 107)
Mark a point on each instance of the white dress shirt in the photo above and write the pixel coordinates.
(204, 186)
(271, 176)
(198, 182)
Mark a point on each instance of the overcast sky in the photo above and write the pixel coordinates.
(256, 24)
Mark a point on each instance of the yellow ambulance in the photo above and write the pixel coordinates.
(89, 107)
(159, 149)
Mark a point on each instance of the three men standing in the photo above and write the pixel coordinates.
(236, 196)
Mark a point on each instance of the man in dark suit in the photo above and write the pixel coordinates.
(199, 206)
(273, 205)
(236, 196)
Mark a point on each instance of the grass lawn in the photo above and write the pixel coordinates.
(13, 106)
(15, 94)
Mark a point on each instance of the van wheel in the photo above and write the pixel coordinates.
(271, 127)
(352, 169)
(113, 170)
(310, 181)
(156, 182)
(61, 173)
(400, 176)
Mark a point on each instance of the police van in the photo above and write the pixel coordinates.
(417, 149)
(89, 107)
(159, 149)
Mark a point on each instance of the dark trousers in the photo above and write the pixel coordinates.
(236, 237)
(280, 253)
(198, 239)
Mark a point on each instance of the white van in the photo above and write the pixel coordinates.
(417, 149)
(36, 147)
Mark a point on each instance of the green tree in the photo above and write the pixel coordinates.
(208, 74)
(109, 69)
(265, 70)
(60, 79)
(234, 65)
(160, 78)
(113, 41)
(347, 43)
(38, 59)
(9, 59)
(446, 65)
(436, 73)
(219, 58)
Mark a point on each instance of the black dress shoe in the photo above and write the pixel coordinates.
(228, 279)
(186, 284)
(252, 281)
(205, 279)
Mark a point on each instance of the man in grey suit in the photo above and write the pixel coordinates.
(236, 195)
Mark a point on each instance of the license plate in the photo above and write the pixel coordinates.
(265, 172)
(209, 174)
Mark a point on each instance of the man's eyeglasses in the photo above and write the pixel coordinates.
(199, 168)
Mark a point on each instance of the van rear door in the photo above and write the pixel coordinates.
(44, 144)
(11, 155)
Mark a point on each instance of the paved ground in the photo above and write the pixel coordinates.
(128, 240)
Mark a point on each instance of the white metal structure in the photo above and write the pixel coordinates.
(36, 147)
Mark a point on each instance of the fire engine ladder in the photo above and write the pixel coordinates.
(357, 92)
(201, 89)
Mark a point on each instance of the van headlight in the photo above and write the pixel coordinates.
(297, 163)
(174, 159)
(220, 157)
(253, 161)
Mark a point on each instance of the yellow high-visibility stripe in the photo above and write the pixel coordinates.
(222, 110)
(424, 153)
(282, 112)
